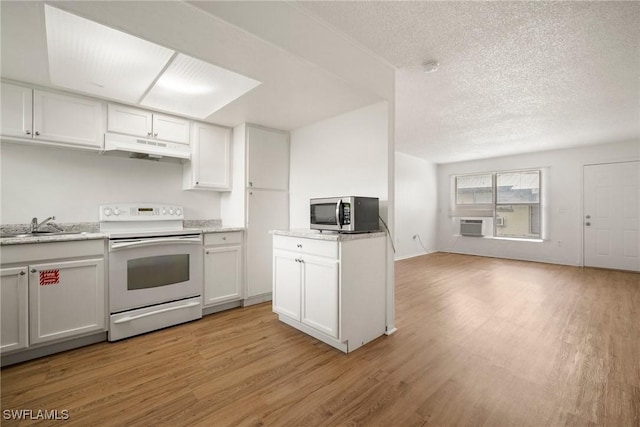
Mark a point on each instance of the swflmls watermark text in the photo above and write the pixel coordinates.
(35, 414)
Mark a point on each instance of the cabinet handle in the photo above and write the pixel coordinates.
(206, 252)
(155, 134)
(148, 133)
(250, 184)
(28, 132)
(22, 273)
(37, 133)
(301, 260)
(33, 270)
(299, 245)
(197, 182)
(224, 238)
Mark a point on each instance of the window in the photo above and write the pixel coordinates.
(512, 197)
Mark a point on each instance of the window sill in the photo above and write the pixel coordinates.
(512, 239)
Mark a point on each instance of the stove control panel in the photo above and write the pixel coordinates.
(140, 212)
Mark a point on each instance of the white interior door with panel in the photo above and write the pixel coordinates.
(612, 216)
(14, 294)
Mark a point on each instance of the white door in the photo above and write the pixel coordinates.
(266, 210)
(66, 299)
(211, 157)
(222, 273)
(286, 284)
(67, 119)
(130, 121)
(14, 293)
(320, 294)
(267, 159)
(16, 110)
(170, 128)
(612, 216)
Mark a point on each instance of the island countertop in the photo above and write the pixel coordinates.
(327, 235)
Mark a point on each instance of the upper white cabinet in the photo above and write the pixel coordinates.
(147, 124)
(267, 158)
(48, 117)
(210, 165)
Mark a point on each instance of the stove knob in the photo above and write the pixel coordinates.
(116, 211)
(164, 211)
(171, 212)
(178, 211)
(107, 211)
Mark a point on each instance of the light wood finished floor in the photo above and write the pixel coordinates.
(480, 341)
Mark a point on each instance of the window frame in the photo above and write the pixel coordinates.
(482, 209)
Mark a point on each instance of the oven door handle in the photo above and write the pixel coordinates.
(152, 313)
(153, 242)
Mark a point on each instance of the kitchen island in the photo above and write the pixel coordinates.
(331, 285)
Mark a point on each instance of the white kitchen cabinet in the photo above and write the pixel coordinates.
(51, 118)
(66, 298)
(14, 294)
(147, 124)
(17, 110)
(331, 287)
(266, 210)
(210, 165)
(52, 292)
(222, 267)
(267, 158)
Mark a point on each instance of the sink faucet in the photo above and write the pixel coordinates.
(35, 225)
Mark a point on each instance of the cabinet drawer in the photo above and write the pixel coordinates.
(325, 248)
(222, 238)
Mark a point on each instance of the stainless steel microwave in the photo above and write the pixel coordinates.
(349, 214)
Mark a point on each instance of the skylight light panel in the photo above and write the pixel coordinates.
(196, 88)
(95, 59)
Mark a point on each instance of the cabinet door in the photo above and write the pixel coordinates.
(14, 291)
(170, 128)
(222, 274)
(130, 121)
(210, 166)
(286, 284)
(267, 159)
(67, 119)
(266, 210)
(16, 110)
(320, 301)
(66, 299)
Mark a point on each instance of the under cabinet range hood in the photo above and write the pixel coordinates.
(141, 148)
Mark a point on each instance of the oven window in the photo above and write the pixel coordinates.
(324, 214)
(155, 271)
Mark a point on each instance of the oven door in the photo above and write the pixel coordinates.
(152, 270)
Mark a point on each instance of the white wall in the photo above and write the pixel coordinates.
(40, 182)
(415, 206)
(345, 155)
(562, 202)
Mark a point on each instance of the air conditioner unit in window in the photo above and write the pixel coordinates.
(471, 227)
(499, 221)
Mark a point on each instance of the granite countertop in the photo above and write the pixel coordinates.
(327, 235)
(91, 231)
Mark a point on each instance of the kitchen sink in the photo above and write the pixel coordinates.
(39, 233)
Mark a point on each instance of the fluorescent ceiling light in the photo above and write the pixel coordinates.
(99, 60)
(196, 88)
(95, 59)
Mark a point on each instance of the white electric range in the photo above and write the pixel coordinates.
(155, 268)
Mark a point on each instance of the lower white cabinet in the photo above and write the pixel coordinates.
(222, 267)
(51, 292)
(14, 294)
(66, 298)
(332, 288)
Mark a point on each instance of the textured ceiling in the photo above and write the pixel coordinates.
(514, 77)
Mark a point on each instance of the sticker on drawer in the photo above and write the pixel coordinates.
(49, 277)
